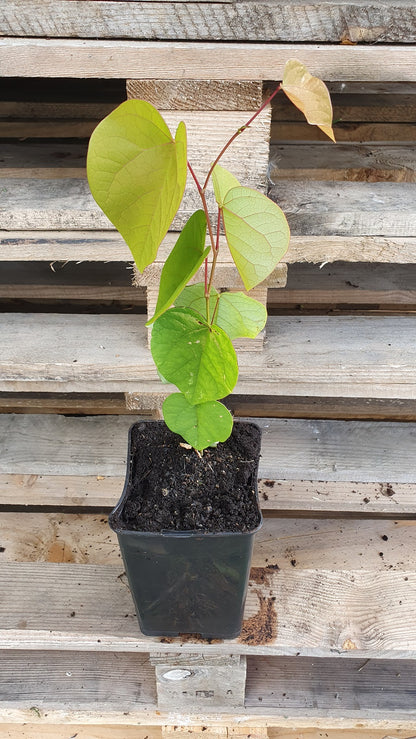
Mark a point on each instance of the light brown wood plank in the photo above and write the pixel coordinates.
(107, 246)
(25, 57)
(197, 94)
(320, 613)
(31, 731)
(358, 21)
(343, 162)
(380, 133)
(283, 544)
(392, 105)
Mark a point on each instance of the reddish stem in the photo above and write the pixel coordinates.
(237, 133)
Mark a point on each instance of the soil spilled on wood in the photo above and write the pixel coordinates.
(262, 627)
(173, 488)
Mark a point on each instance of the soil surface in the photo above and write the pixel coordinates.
(173, 488)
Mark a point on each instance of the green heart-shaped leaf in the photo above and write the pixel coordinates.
(309, 94)
(237, 314)
(223, 181)
(183, 262)
(257, 233)
(196, 357)
(137, 174)
(200, 425)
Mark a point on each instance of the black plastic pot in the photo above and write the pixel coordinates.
(185, 582)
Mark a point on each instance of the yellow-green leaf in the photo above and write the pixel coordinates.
(223, 181)
(137, 173)
(309, 94)
(257, 233)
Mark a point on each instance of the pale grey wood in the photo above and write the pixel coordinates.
(356, 20)
(331, 684)
(347, 612)
(69, 678)
(347, 208)
(339, 356)
(107, 246)
(310, 691)
(162, 60)
(189, 682)
(338, 451)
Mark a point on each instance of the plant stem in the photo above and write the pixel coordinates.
(205, 207)
(237, 133)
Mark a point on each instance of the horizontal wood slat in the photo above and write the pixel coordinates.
(357, 21)
(349, 612)
(357, 467)
(339, 356)
(25, 57)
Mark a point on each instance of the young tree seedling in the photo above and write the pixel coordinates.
(137, 174)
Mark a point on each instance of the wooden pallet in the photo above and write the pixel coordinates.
(329, 645)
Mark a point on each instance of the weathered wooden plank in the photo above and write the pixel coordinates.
(353, 467)
(26, 57)
(312, 208)
(309, 355)
(326, 613)
(197, 94)
(56, 731)
(392, 681)
(347, 208)
(320, 685)
(392, 105)
(343, 162)
(68, 679)
(108, 246)
(282, 544)
(381, 133)
(356, 21)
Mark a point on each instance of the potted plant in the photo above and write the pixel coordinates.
(189, 510)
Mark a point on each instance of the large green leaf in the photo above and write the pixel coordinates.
(309, 94)
(236, 313)
(196, 357)
(257, 233)
(183, 262)
(137, 173)
(200, 425)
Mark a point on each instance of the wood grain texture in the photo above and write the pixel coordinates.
(197, 94)
(108, 246)
(356, 21)
(339, 356)
(364, 133)
(282, 544)
(26, 57)
(342, 162)
(347, 208)
(351, 466)
(392, 105)
(320, 613)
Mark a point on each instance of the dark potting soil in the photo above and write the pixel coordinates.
(173, 488)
